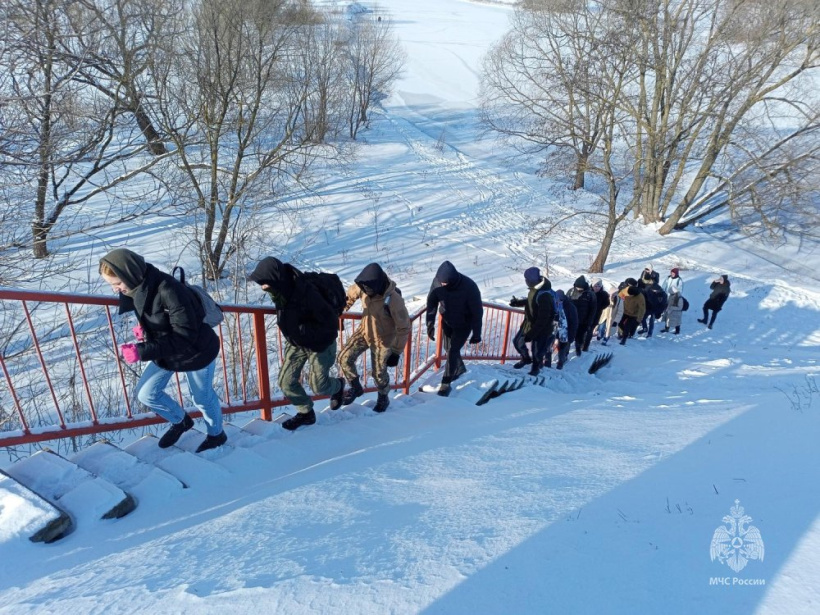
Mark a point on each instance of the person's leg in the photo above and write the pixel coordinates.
(712, 320)
(351, 352)
(521, 346)
(151, 392)
(201, 387)
(320, 380)
(292, 364)
(651, 327)
(381, 374)
(705, 318)
(457, 340)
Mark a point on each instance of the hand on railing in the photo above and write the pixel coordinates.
(139, 333)
(393, 359)
(130, 353)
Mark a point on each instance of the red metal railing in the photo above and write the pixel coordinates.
(62, 375)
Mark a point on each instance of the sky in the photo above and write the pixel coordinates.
(587, 494)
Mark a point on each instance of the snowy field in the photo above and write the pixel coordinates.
(591, 494)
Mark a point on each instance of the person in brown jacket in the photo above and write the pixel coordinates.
(634, 309)
(384, 328)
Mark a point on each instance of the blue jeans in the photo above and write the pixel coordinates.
(151, 392)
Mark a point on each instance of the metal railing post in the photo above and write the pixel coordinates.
(262, 374)
(506, 342)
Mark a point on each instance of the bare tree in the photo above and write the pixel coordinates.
(63, 147)
(375, 59)
(231, 98)
(110, 51)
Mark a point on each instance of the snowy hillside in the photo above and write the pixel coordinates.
(591, 494)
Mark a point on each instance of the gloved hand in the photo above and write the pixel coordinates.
(475, 339)
(516, 302)
(130, 353)
(431, 332)
(139, 333)
(393, 359)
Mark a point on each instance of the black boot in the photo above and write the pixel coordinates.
(212, 442)
(336, 398)
(444, 389)
(705, 316)
(301, 418)
(677, 330)
(381, 403)
(535, 369)
(522, 363)
(353, 392)
(170, 437)
(665, 330)
(712, 321)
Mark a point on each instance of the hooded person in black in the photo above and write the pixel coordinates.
(721, 289)
(586, 305)
(171, 337)
(310, 328)
(457, 298)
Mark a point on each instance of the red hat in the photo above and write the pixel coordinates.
(675, 270)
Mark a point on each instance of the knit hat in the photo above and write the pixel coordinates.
(631, 282)
(532, 276)
(649, 267)
(675, 270)
(597, 282)
(581, 282)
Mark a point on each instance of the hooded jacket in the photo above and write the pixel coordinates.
(633, 301)
(305, 318)
(385, 320)
(171, 316)
(570, 312)
(459, 301)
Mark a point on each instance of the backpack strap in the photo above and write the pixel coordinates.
(181, 273)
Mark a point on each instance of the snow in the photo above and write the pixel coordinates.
(590, 494)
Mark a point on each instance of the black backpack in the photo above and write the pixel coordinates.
(685, 304)
(213, 313)
(330, 287)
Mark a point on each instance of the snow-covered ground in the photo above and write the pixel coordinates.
(592, 494)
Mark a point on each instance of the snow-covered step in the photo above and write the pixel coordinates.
(77, 491)
(126, 471)
(231, 455)
(193, 470)
(266, 429)
(24, 513)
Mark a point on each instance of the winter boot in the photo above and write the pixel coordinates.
(665, 330)
(677, 330)
(522, 363)
(301, 418)
(381, 403)
(460, 371)
(212, 442)
(170, 437)
(444, 389)
(337, 397)
(353, 392)
(535, 369)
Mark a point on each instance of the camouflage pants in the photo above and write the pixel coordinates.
(354, 348)
(320, 381)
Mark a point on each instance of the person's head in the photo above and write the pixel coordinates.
(581, 283)
(532, 276)
(272, 275)
(123, 270)
(372, 280)
(597, 284)
(648, 269)
(447, 274)
(560, 296)
(631, 282)
(674, 272)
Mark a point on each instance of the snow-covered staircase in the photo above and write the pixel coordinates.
(46, 496)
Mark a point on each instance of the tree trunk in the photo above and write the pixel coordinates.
(155, 144)
(598, 264)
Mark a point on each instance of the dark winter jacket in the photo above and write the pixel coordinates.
(648, 277)
(656, 299)
(571, 313)
(459, 301)
(539, 312)
(305, 318)
(176, 339)
(585, 302)
(720, 293)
